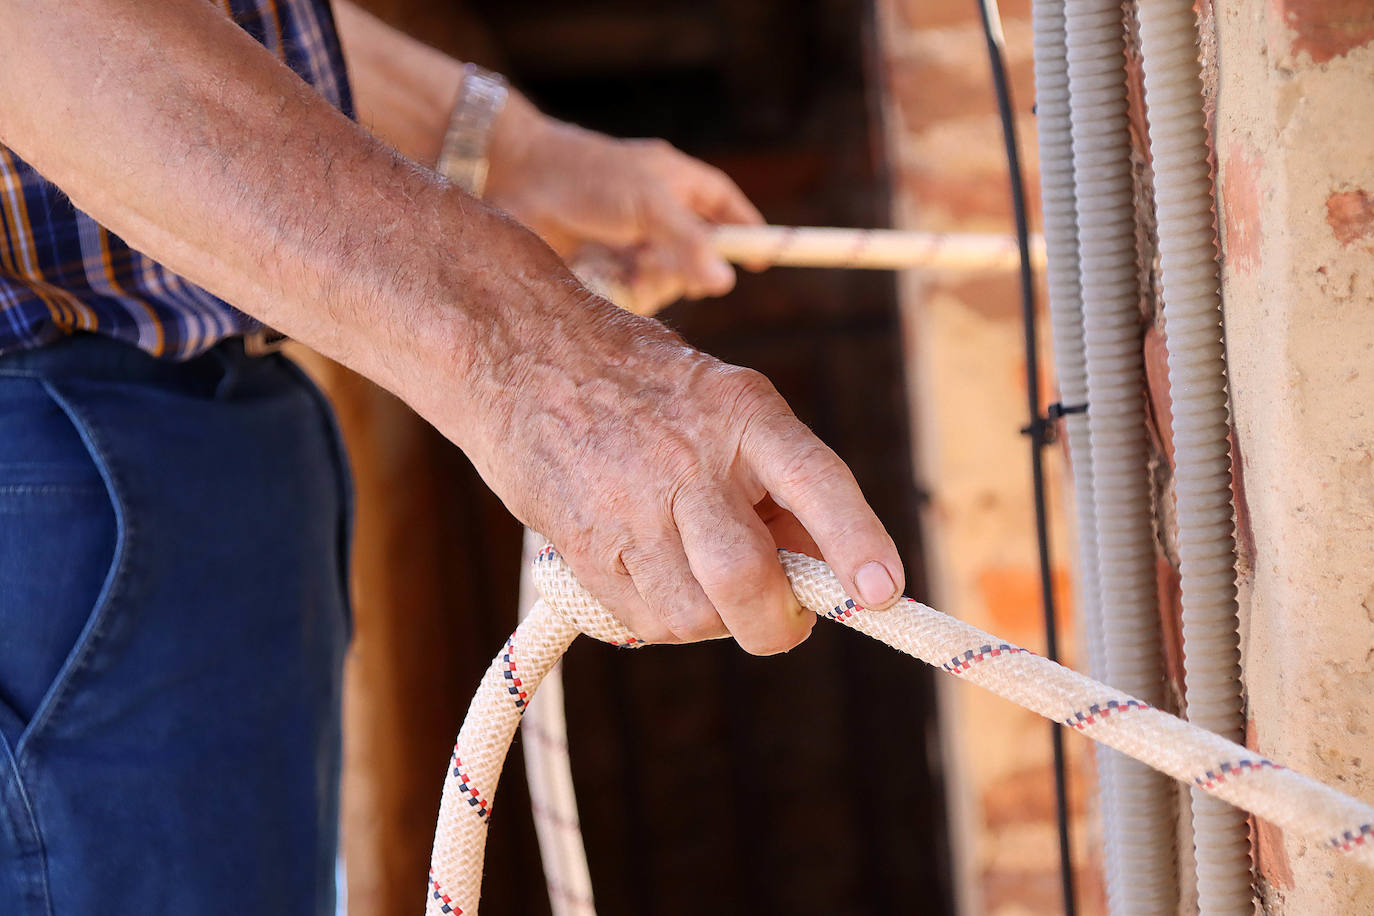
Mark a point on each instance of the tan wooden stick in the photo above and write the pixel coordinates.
(610, 274)
(872, 249)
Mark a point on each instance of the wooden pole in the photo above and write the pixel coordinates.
(871, 249)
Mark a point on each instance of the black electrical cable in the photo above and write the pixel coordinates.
(1040, 428)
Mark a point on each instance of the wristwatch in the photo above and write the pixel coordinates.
(463, 157)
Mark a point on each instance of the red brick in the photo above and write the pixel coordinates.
(1021, 890)
(1027, 796)
(925, 14)
(929, 91)
(1326, 29)
(1351, 216)
(996, 296)
(1011, 595)
(959, 199)
(1271, 857)
(1241, 191)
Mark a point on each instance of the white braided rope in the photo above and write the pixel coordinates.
(1298, 804)
(548, 772)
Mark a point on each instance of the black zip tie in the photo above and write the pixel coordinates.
(1042, 430)
(1057, 410)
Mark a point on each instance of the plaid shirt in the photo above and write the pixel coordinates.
(61, 272)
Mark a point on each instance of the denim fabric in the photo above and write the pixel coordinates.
(173, 616)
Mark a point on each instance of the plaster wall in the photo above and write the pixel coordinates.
(1295, 142)
(1290, 87)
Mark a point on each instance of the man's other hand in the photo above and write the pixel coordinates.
(651, 203)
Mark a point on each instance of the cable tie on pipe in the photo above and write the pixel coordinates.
(1058, 410)
(1042, 429)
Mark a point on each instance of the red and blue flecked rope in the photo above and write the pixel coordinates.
(442, 902)
(1298, 804)
(514, 684)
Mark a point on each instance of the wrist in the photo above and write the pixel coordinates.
(403, 90)
(495, 298)
(516, 136)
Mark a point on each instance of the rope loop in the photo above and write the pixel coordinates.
(1298, 804)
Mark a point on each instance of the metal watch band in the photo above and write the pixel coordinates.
(463, 157)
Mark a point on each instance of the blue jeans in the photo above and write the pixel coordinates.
(173, 617)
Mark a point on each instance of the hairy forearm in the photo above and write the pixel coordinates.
(170, 125)
(643, 457)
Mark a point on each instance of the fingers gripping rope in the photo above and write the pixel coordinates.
(1296, 803)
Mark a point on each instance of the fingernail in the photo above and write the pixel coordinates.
(875, 584)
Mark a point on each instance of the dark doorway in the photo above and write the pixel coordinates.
(710, 781)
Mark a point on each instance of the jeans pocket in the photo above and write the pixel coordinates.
(59, 536)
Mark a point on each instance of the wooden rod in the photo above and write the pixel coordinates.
(871, 249)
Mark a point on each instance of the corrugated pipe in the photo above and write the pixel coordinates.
(1066, 321)
(1202, 475)
(1143, 820)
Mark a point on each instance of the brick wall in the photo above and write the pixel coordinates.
(966, 370)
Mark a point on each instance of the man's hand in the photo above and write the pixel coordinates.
(643, 458)
(650, 202)
(651, 466)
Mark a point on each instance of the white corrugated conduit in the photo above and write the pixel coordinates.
(1066, 321)
(1143, 817)
(1202, 475)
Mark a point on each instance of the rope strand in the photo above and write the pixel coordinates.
(1219, 767)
